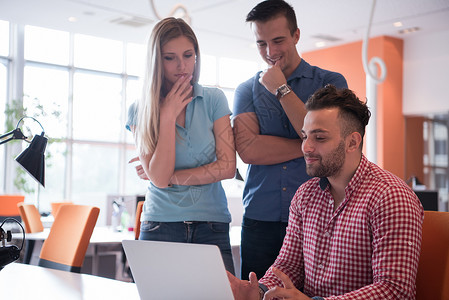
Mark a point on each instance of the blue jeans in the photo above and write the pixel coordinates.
(213, 233)
(260, 245)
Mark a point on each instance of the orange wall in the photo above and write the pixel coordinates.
(347, 60)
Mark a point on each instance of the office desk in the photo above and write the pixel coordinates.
(100, 235)
(21, 281)
(103, 240)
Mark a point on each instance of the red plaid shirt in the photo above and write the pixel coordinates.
(367, 249)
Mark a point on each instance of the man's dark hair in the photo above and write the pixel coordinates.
(353, 112)
(270, 9)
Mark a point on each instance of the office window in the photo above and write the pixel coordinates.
(208, 73)
(95, 173)
(55, 175)
(4, 38)
(3, 81)
(2, 123)
(46, 98)
(135, 59)
(98, 53)
(96, 107)
(46, 45)
(232, 72)
(229, 93)
(133, 184)
(133, 93)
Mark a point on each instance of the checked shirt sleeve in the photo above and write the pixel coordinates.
(290, 259)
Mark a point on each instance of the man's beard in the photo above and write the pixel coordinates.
(331, 165)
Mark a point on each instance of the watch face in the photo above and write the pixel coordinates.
(283, 89)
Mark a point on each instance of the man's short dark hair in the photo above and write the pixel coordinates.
(270, 9)
(353, 112)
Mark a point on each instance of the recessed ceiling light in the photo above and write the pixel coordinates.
(326, 37)
(320, 44)
(409, 30)
(397, 24)
(72, 19)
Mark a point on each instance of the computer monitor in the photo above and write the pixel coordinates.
(429, 199)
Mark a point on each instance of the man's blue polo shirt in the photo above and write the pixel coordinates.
(270, 188)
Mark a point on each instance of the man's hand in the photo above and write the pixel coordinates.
(289, 291)
(139, 169)
(272, 78)
(243, 289)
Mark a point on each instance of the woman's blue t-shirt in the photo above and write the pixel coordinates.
(195, 146)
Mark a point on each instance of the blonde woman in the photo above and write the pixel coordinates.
(185, 144)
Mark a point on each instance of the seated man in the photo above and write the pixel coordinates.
(354, 231)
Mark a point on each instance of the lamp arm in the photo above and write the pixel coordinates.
(15, 134)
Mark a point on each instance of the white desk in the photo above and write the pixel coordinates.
(21, 281)
(101, 238)
(100, 235)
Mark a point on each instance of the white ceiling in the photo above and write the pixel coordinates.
(220, 24)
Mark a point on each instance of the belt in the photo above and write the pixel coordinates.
(194, 222)
(185, 222)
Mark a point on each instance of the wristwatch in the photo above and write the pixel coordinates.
(282, 91)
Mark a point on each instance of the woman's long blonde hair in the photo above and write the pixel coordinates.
(147, 129)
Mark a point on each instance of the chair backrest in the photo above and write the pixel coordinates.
(56, 205)
(432, 281)
(137, 223)
(30, 217)
(8, 205)
(66, 245)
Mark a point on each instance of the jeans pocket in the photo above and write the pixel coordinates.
(149, 226)
(219, 227)
(249, 223)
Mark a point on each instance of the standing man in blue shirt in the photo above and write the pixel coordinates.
(268, 116)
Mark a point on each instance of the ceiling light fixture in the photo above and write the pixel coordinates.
(397, 24)
(409, 30)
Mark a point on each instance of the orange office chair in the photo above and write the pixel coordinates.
(56, 205)
(8, 206)
(432, 280)
(30, 217)
(66, 245)
(137, 223)
(32, 220)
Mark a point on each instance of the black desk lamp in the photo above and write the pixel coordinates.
(32, 159)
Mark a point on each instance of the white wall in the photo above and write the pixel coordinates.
(426, 74)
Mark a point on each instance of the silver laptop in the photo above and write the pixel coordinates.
(166, 270)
